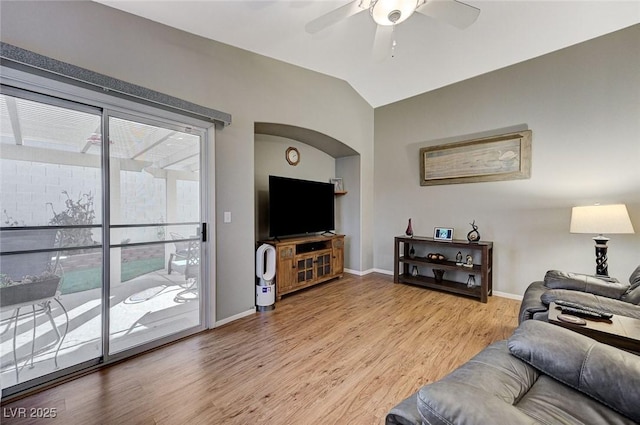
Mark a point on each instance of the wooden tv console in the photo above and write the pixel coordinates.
(306, 261)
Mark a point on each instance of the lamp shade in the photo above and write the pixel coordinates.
(600, 219)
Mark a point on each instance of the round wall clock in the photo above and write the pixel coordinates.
(293, 156)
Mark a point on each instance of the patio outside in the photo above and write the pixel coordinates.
(146, 308)
(51, 231)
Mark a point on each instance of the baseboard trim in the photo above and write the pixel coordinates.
(368, 271)
(382, 271)
(235, 317)
(358, 272)
(507, 295)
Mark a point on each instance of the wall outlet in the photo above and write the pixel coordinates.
(227, 216)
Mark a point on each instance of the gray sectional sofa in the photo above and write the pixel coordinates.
(606, 294)
(543, 374)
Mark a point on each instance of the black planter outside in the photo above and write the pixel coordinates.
(26, 292)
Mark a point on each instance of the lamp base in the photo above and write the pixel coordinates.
(602, 268)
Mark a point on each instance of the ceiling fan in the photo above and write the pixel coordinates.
(389, 13)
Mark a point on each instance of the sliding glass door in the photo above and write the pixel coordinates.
(101, 235)
(155, 232)
(51, 254)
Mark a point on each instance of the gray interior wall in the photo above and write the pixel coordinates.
(348, 210)
(583, 106)
(250, 87)
(270, 159)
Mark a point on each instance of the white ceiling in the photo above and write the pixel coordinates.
(430, 54)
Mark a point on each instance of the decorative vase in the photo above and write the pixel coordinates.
(414, 271)
(409, 231)
(438, 274)
(471, 282)
(473, 236)
(412, 252)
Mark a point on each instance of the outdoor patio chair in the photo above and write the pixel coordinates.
(178, 258)
(191, 270)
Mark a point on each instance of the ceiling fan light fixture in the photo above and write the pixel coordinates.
(392, 12)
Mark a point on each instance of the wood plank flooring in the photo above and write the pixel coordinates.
(344, 352)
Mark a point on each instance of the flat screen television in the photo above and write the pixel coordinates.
(300, 206)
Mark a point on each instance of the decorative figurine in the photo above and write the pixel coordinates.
(409, 231)
(414, 271)
(412, 252)
(473, 236)
(469, 262)
(471, 282)
(459, 259)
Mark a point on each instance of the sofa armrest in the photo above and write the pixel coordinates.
(633, 293)
(405, 413)
(481, 391)
(532, 301)
(458, 403)
(607, 287)
(603, 372)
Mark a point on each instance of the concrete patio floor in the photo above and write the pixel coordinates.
(142, 309)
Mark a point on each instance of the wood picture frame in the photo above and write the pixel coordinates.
(495, 158)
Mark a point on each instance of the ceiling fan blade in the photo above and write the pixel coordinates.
(383, 42)
(453, 12)
(333, 17)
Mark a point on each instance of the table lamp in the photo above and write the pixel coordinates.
(600, 219)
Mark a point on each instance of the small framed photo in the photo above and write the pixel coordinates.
(337, 185)
(443, 234)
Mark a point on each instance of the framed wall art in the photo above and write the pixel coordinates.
(337, 185)
(443, 234)
(496, 158)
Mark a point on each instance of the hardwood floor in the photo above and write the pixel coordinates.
(344, 352)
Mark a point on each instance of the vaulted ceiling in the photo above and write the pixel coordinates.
(429, 54)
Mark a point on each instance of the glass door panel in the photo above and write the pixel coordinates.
(50, 238)
(154, 232)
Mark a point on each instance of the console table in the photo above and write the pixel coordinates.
(481, 252)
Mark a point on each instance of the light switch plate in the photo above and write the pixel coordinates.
(227, 216)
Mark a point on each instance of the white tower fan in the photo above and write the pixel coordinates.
(266, 273)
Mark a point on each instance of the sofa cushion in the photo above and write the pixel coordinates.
(481, 391)
(551, 402)
(633, 293)
(603, 372)
(608, 287)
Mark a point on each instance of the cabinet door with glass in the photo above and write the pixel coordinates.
(323, 263)
(305, 268)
